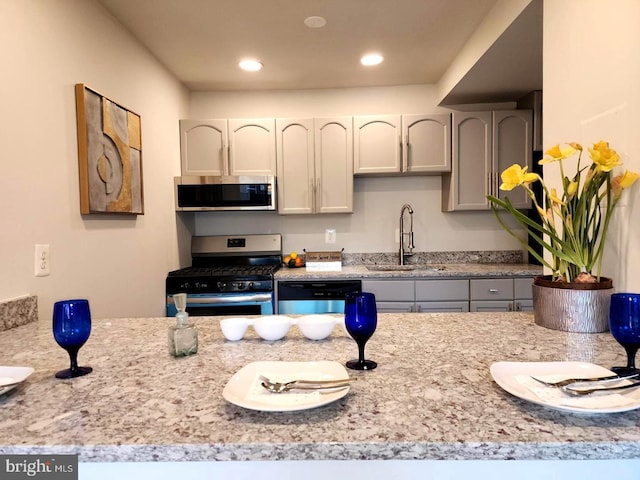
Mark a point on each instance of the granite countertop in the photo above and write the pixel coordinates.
(448, 270)
(432, 396)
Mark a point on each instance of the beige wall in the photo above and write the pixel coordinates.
(377, 201)
(591, 79)
(118, 262)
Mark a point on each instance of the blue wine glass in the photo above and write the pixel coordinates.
(624, 324)
(71, 329)
(361, 320)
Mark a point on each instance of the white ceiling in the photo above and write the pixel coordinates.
(201, 42)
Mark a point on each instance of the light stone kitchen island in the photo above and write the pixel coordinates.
(430, 410)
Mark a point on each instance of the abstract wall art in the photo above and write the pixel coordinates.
(109, 155)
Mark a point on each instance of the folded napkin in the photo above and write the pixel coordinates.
(257, 393)
(555, 396)
(7, 381)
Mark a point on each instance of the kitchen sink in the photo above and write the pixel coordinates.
(401, 268)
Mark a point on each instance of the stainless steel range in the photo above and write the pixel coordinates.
(230, 275)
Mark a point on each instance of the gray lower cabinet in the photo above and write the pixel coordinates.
(392, 296)
(451, 295)
(419, 295)
(501, 295)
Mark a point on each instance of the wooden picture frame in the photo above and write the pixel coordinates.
(109, 155)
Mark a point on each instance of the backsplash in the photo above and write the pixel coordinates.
(501, 256)
(19, 311)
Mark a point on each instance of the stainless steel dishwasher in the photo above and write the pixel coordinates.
(306, 297)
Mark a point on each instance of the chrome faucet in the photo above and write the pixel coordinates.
(404, 234)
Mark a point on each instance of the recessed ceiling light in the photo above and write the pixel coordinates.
(315, 22)
(250, 65)
(371, 59)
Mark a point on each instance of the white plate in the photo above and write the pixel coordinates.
(17, 374)
(244, 389)
(514, 378)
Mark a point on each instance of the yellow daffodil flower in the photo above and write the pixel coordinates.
(620, 182)
(572, 188)
(605, 158)
(554, 198)
(515, 175)
(556, 154)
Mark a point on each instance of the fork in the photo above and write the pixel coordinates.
(281, 387)
(588, 391)
(568, 381)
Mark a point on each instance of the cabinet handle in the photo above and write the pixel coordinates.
(318, 193)
(404, 153)
(227, 165)
(518, 307)
(510, 308)
(312, 189)
(496, 184)
(489, 189)
(494, 290)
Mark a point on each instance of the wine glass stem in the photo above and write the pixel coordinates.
(361, 352)
(73, 355)
(631, 356)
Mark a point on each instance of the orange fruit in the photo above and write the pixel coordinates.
(298, 261)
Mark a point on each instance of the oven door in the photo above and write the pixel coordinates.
(207, 305)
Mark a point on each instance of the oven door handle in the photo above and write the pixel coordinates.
(257, 298)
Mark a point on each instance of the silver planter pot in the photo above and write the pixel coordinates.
(584, 309)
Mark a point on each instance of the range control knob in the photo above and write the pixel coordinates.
(241, 285)
(251, 286)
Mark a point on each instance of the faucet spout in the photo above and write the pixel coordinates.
(406, 246)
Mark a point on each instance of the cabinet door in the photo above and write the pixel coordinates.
(203, 147)
(377, 144)
(296, 180)
(426, 143)
(466, 187)
(523, 305)
(394, 307)
(512, 143)
(433, 307)
(333, 165)
(491, 306)
(252, 146)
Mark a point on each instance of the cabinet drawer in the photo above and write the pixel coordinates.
(441, 290)
(492, 289)
(390, 290)
(522, 288)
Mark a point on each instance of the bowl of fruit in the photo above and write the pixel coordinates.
(293, 260)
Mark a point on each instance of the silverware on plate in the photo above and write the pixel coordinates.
(281, 387)
(569, 381)
(578, 392)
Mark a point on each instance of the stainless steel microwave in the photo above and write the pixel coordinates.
(194, 193)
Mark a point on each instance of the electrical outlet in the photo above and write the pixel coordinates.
(43, 261)
(330, 235)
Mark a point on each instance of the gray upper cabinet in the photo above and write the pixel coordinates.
(314, 165)
(483, 145)
(376, 144)
(228, 147)
(392, 144)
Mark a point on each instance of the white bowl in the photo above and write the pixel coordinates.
(316, 327)
(234, 328)
(272, 327)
